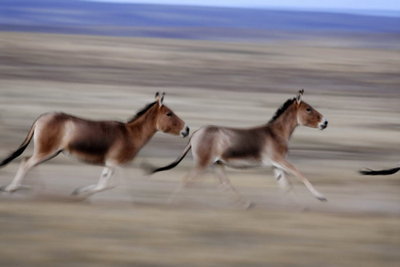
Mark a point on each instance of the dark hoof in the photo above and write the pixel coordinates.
(75, 192)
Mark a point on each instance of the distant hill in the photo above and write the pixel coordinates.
(189, 22)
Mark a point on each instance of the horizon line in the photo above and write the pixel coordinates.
(354, 11)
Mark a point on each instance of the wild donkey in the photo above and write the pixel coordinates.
(264, 145)
(106, 143)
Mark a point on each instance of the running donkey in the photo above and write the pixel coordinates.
(106, 143)
(264, 145)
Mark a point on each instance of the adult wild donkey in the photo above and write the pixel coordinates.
(106, 143)
(264, 145)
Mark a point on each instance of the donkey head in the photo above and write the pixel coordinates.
(167, 121)
(307, 115)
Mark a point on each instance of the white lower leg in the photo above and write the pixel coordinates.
(284, 164)
(282, 180)
(25, 165)
(104, 179)
(317, 194)
(226, 184)
(185, 182)
(102, 184)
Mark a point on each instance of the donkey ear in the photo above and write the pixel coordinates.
(160, 98)
(299, 96)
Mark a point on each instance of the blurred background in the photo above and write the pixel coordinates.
(230, 63)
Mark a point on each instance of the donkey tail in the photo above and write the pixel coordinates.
(173, 164)
(21, 148)
(380, 172)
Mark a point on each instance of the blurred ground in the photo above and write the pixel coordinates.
(232, 84)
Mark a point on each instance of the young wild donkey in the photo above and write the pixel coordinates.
(106, 143)
(264, 145)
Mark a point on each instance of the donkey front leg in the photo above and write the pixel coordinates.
(287, 166)
(102, 184)
(282, 180)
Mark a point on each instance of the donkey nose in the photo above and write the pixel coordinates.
(324, 124)
(185, 132)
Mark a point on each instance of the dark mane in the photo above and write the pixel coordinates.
(282, 109)
(142, 111)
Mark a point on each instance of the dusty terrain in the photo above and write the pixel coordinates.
(232, 84)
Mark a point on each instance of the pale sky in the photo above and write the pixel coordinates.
(388, 5)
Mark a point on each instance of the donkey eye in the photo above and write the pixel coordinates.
(169, 114)
(308, 110)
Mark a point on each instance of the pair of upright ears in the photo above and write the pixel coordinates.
(299, 96)
(160, 98)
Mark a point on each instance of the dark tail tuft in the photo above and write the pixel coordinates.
(168, 167)
(21, 148)
(151, 169)
(13, 155)
(379, 172)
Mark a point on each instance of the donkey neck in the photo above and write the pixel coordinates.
(144, 127)
(286, 123)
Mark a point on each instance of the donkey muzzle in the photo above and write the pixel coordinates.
(185, 132)
(323, 124)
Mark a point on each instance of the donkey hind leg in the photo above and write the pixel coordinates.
(102, 184)
(25, 165)
(282, 180)
(287, 166)
(226, 184)
(186, 181)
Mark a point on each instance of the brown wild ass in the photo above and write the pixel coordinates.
(264, 145)
(105, 143)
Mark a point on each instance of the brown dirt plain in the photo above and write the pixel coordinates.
(356, 86)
